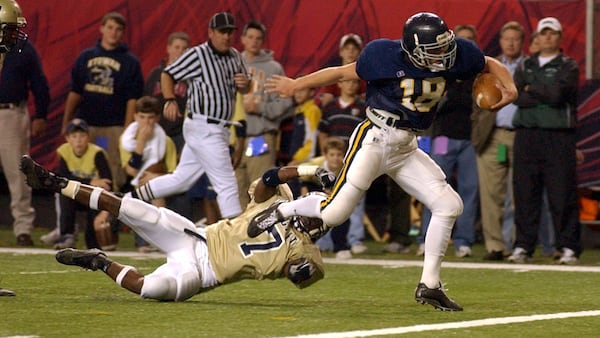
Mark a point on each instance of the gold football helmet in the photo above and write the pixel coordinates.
(11, 22)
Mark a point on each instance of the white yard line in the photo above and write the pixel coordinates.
(451, 325)
(357, 261)
(33, 251)
(466, 265)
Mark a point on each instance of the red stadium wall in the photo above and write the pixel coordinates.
(303, 33)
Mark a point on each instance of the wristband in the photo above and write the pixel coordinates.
(307, 170)
(170, 99)
(135, 161)
(271, 177)
(240, 130)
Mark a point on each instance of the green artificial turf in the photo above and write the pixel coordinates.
(54, 300)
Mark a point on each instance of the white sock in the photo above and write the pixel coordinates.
(71, 189)
(436, 243)
(308, 206)
(123, 273)
(95, 198)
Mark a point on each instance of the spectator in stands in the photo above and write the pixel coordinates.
(332, 160)
(303, 146)
(147, 151)
(350, 46)
(85, 162)
(545, 146)
(340, 117)
(106, 80)
(263, 111)
(534, 43)
(177, 43)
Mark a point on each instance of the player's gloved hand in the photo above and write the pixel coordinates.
(326, 177)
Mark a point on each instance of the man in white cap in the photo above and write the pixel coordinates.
(544, 147)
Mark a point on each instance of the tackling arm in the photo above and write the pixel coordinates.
(273, 177)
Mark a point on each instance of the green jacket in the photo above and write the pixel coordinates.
(551, 96)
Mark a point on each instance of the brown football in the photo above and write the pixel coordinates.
(485, 92)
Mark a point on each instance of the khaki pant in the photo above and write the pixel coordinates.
(108, 138)
(494, 178)
(14, 143)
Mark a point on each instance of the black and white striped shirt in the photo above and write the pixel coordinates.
(210, 77)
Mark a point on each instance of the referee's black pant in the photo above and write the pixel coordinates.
(545, 159)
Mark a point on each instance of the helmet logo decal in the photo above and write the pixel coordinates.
(444, 38)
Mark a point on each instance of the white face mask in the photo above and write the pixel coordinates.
(437, 56)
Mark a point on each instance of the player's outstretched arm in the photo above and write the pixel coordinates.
(267, 186)
(508, 88)
(286, 86)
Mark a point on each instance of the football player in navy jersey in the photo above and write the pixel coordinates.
(406, 79)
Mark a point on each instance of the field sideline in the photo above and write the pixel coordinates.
(329, 309)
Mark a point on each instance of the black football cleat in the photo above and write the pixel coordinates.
(40, 178)
(264, 220)
(436, 298)
(87, 259)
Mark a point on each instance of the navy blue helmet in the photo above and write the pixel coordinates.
(428, 42)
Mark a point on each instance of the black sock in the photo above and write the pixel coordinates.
(103, 263)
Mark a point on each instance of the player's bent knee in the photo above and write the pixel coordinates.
(171, 288)
(361, 179)
(448, 203)
(159, 288)
(138, 209)
(339, 209)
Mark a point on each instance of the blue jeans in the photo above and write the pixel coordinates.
(356, 232)
(508, 220)
(460, 156)
(325, 243)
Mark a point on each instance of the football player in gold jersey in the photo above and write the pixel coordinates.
(198, 258)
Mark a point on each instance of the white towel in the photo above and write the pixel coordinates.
(154, 150)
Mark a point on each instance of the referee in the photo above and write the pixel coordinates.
(214, 72)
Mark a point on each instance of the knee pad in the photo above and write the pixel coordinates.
(448, 203)
(361, 179)
(159, 287)
(339, 209)
(175, 282)
(138, 209)
(364, 168)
